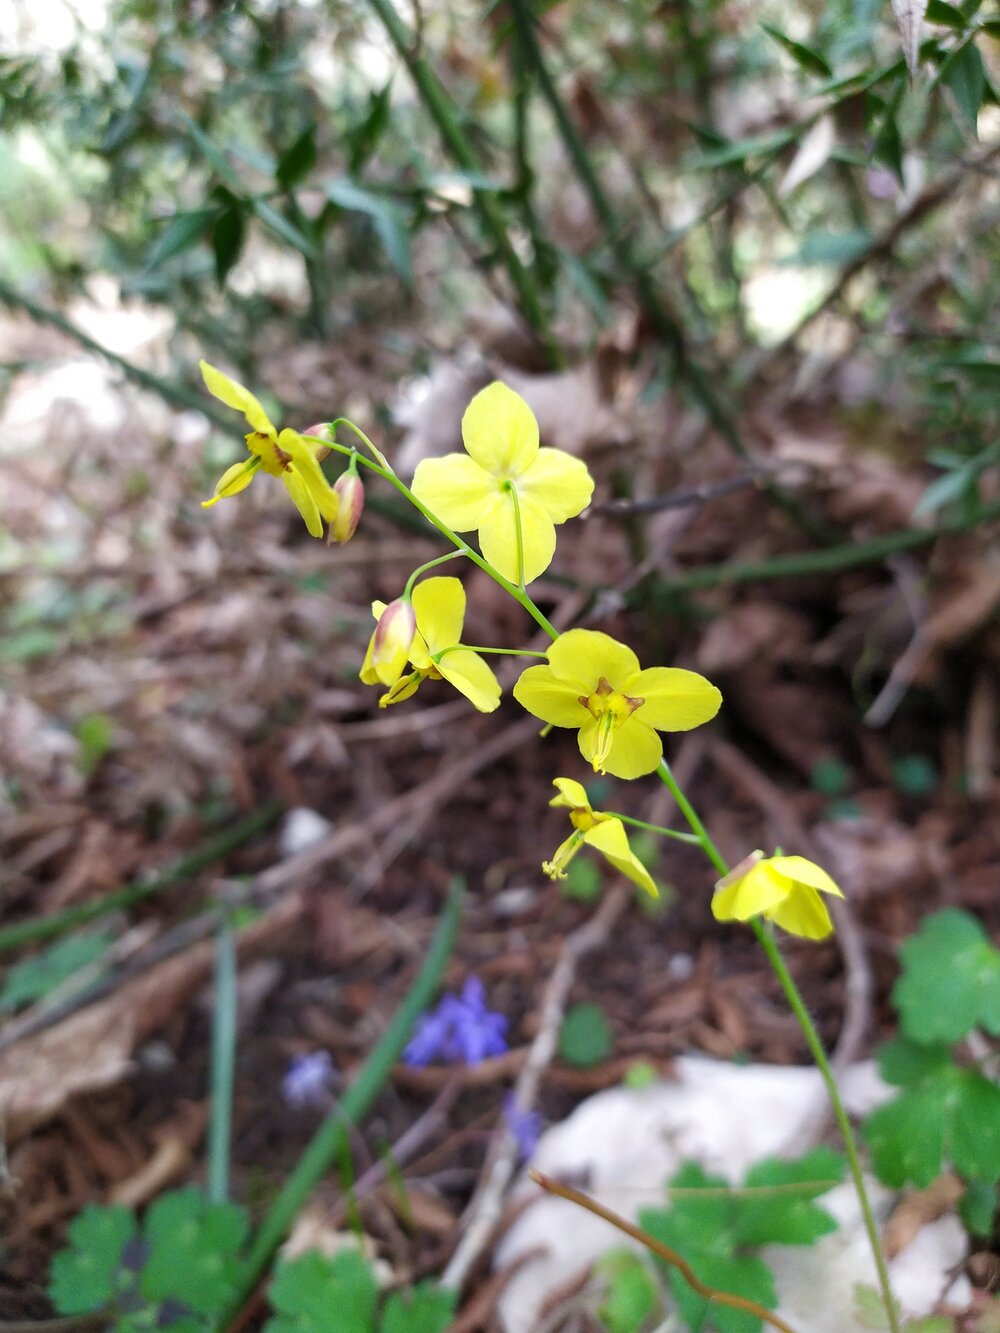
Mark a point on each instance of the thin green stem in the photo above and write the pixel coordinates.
(185, 868)
(794, 997)
(656, 828)
(511, 490)
(481, 648)
(798, 1007)
(439, 105)
(326, 1145)
(463, 547)
(223, 1062)
(429, 564)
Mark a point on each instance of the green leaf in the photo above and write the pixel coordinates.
(945, 1115)
(583, 880)
(84, 1277)
(363, 139)
(182, 232)
(427, 1308)
(387, 219)
(978, 1207)
(585, 1037)
(96, 734)
(279, 224)
(831, 247)
(214, 156)
(804, 56)
(787, 1215)
(632, 1293)
(36, 977)
(297, 162)
(940, 12)
(964, 75)
(307, 1290)
(950, 981)
(194, 1249)
(228, 236)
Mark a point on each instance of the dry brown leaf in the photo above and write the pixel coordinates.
(917, 1210)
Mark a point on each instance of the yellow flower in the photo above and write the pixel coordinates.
(436, 652)
(389, 646)
(504, 466)
(784, 889)
(287, 456)
(595, 683)
(605, 833)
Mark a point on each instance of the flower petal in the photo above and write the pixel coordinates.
(805, 872)
(305, 463)
(500, 432)
(439, 605)
(635, 748)
(554, 700)
(571, 794)
(472, 677)
(234, 395)
(803, 913)
(588, 654)
(303, 501)
(675, 699)
(235, 479)
(455, 488)
(498, 537)
(558, 482)
(610, 839)
(758, 891)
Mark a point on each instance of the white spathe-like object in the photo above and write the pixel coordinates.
(627, 1143)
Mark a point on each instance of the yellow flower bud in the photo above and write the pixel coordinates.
(348, 487)
(392, 640)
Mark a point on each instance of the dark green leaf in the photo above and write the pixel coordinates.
(585, 1037)
(939, 11)
(182, 232)
(427, 1308)
(804, 56)
(215, 157)
(84, 1277)
(295, 164)
(228, 236)
(363, 139)
(964, 75)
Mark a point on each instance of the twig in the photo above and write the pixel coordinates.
(662, 1251)
(484, 1211)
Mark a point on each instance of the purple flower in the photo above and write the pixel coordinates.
(307, 1080)
(525, 1125)
(461, 1030)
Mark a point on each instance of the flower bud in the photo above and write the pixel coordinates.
(351, 493)
(322, 431)
(392, 640)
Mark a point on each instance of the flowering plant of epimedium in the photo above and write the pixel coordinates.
(514, 493)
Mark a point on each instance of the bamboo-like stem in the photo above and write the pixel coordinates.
(439, 105)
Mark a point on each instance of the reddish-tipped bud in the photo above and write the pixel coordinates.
(321, 431)
(392, 640)
(351, 493)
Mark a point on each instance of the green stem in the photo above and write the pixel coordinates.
(798, 1007)
(656, 828)
(813, 1041)
(323, 1150)
(463, 547)
(439, 105)
(429, 564)
(223, 1062)
(173, 393)
(480, 648)
(186, 867)
(832, 558)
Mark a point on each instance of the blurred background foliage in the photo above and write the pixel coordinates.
(270, 174)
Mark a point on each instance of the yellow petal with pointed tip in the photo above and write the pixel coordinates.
(455, 488)
(801, 870)
(235, 479)
(553, 699)
(439, 605)
(803, 913)
(498, 536)
(673, 699)
(234, 395)
(635, 748)
(303, 500)
(610, 839)
(559, 483)
(500, 432)
(589, 654)
(471, 676)
(571, 794)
